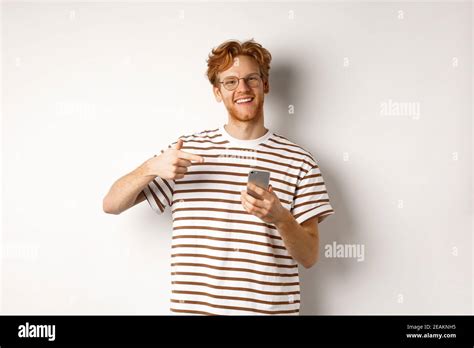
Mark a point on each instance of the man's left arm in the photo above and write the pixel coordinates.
(301, 240)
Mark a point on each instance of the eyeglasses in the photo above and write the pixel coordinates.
(231, 82)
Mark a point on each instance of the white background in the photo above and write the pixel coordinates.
(90, 91)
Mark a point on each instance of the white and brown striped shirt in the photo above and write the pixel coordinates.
(225, 261)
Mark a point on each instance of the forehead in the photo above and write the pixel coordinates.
(243, 65)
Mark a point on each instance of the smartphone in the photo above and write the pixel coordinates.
(259, 178)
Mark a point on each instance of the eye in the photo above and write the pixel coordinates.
(229, 83)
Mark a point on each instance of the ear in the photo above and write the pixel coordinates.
(266, 86)
(217, 94)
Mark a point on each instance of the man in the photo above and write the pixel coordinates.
(233, 253)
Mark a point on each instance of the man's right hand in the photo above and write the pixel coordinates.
(172, 163)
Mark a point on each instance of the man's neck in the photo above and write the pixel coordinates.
(245, 130)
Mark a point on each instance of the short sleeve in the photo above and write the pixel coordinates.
(311, 197)
(159, 193)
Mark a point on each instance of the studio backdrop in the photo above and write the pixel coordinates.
(379, 93)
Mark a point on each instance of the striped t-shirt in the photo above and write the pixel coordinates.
(224, 260)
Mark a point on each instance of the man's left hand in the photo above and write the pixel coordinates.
(265, 205)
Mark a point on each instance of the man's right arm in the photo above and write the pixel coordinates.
(126, 192)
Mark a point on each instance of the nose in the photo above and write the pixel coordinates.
(242, 86)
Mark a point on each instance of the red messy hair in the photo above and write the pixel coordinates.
(222, 57)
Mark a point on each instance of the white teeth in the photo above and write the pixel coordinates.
(243, 100)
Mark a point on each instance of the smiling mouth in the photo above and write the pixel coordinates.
(243, 101)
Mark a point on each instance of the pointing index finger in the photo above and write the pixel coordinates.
(190, 156)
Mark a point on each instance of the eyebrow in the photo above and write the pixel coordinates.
(234, 75)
